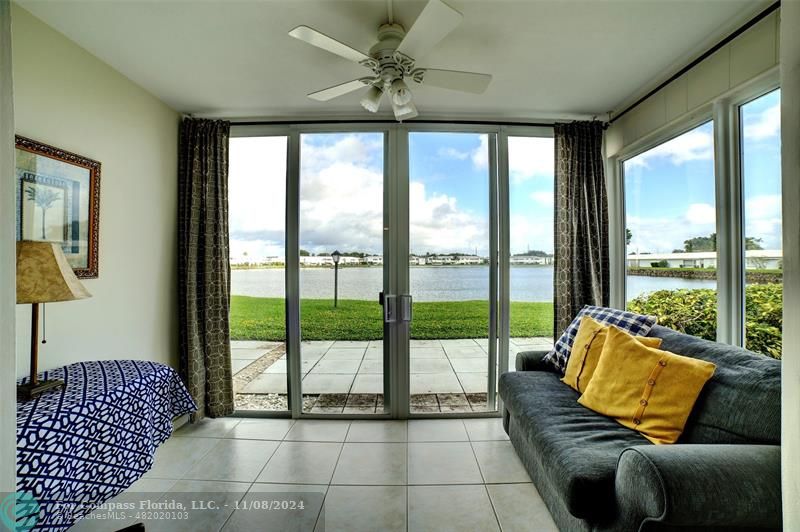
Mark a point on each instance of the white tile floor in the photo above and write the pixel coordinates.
(420, 475)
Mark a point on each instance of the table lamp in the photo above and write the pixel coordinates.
(43, 276)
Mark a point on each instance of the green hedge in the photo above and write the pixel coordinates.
(695, 312)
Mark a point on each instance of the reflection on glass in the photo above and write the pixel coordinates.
(761, 174)
(671, 232)
(256, 205)
(341, 209)
(531, 205)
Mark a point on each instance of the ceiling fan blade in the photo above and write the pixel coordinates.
(337, 90)
(404, 112)
(455, 80)
(329, 44)
(433, 24)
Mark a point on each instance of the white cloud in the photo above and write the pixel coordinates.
(480, 155)
(529, 232)
(766, 124)
(695, 145)
(452, 153)
(530, 157)
(763, 220)
(545, 198)
(341, 202)
(701, 214)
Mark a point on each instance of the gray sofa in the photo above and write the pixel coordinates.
(594, 474)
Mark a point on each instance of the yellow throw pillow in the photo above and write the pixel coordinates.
(587, 349)
(645, 389)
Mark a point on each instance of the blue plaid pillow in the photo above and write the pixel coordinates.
(635, 324)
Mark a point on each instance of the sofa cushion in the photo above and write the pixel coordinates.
(577, 447)
(742, 401)
(635, 324)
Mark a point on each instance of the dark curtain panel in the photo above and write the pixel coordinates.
(203, 266)
(581, 221)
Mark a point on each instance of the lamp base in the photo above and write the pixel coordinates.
(28, 391)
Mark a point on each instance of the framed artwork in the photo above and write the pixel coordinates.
(58, 200)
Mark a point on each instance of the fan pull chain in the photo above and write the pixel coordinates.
(391, 11)
(44, 323)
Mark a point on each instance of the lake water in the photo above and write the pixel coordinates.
(430, 283)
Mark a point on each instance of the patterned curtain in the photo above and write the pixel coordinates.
(581, 221)
(203, 267)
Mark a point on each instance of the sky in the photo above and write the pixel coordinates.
(341, 193)
(669, 190)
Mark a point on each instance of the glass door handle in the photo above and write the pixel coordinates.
(406, 307)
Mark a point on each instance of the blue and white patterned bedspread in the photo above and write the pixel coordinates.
(84, 444)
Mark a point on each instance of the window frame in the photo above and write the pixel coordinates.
(724, 113)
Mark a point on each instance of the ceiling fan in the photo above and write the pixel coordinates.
(392, 60)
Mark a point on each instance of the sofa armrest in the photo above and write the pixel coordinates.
(532, 360)
(701, 485)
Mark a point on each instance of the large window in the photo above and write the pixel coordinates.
(671, 234)
(761, 183)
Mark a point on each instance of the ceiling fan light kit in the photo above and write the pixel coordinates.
(392, 61)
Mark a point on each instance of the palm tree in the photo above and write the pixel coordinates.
(44, 199)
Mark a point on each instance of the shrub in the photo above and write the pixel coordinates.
(695, 312)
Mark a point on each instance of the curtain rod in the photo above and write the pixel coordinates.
(362, 121)
(747, 25)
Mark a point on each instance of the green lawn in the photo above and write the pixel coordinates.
(257, 318)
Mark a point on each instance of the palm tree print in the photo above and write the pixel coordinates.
(44, 199)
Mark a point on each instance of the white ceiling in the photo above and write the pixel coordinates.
(549, 58)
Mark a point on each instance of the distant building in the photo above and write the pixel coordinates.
(529, 260)
(754, 259)
(373, 259)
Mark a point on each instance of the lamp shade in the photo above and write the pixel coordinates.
(44, 275)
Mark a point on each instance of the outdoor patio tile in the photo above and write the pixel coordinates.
(368, 383)
(316, 344)
(499, 462)
(371, 464)
(442, 463)
(470, 365)
(239, 365)
(298, 462)
(520, 508)
(464, 342)
(450, 509)
(253, 344)
(374, 353)
(430, 365)
(376, 344)
(318, 430)
(371, 366)
(267, 383)
(345, 353)
(327, 365)
(465, 352)
(364, 509)
(487, 429)
(234, 460)
(436, 430)
(248, 354)
(247, 520)
(208, 428)
(261, 429)
(279, 366)
(378, 431)
(424, 343)
(474, 382)
(327, 383)
(435, 383)
(350, 343)
(427, 352)
(316, 409)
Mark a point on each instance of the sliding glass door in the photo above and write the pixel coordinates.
(371, 268)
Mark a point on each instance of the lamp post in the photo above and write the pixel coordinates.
(335, 256)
